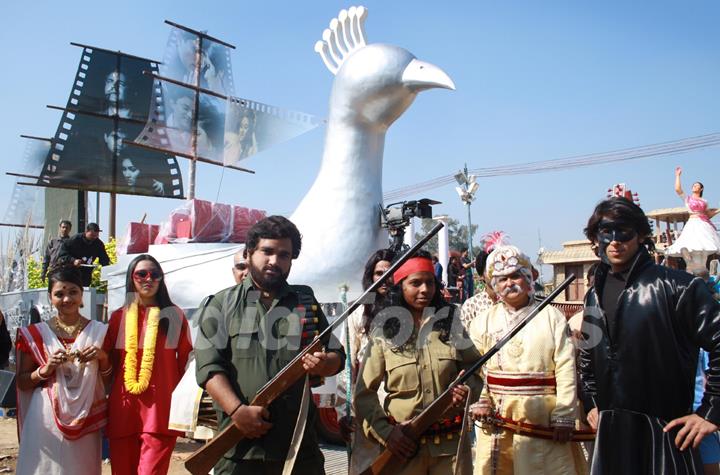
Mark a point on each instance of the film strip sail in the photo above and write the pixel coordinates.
(27, 203)
(195, 114)
(107, 108)
(251, 127)
(196, 59)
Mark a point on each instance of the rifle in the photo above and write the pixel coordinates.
(386, 463)
(205, 458)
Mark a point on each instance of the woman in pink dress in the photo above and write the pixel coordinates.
(699, 237)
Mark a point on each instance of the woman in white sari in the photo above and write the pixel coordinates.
(61, 396)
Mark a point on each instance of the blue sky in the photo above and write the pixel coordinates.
(535, 81)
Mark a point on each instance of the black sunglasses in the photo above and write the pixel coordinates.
(241, 266)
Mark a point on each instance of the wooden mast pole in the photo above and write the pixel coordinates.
(196, 114)
(112, 218)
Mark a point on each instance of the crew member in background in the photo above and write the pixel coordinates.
(438, 268)
(485, 296)
(52, 250)
(82, 249)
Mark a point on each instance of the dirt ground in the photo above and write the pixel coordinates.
(9, 450)
(8, 445)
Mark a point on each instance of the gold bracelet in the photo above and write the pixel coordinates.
(106, 372)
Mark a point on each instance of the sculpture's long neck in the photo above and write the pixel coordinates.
(347, 192)
(353, 154)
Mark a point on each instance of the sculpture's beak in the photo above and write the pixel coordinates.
(419, 75)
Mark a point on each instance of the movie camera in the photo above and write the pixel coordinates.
(395, 217)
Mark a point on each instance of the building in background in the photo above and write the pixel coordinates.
(576, 257)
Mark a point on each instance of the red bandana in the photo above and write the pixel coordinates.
(415, 264)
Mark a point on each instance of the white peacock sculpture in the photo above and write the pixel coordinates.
(339, 217)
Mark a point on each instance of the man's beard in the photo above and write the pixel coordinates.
(265, 282)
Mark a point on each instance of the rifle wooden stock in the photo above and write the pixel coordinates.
(205, 458)
(386, 463)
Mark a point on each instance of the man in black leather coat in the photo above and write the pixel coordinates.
(645, 324)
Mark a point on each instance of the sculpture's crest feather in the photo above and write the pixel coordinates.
(345, 35)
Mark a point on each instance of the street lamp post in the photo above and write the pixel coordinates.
(467, 189)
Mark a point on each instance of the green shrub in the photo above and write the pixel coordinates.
(34, 269)
(101, 285)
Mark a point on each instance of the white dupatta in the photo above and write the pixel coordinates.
(75, 389)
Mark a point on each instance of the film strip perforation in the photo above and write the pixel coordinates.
(284, 114)
(66, 122)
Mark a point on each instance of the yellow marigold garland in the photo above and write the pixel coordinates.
(139, 385)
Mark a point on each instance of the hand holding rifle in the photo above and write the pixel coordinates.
(402, 446)
(320, 363)
(347, 426)
(460, 394)
(251, 421)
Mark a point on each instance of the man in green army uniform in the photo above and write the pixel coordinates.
(247, 334)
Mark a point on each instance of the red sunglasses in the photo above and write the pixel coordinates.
(144, 275)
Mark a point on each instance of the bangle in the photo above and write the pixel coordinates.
(40, 376)
(106, 372)
(235, 410)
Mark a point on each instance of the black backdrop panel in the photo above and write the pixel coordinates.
(107, 109)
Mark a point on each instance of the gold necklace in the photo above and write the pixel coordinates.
(69, 330)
